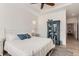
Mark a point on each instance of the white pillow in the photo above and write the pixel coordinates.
(10, 37)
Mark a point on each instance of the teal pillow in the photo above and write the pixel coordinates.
(28, 36)
(24, 36)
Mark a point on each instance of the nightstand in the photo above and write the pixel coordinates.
(35, 34)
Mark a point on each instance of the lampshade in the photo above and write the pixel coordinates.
(34, 22)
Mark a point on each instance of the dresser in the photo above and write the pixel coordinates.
(35, 34)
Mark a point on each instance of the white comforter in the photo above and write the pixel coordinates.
(29, 47)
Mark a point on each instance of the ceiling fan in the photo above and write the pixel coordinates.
(42, 4)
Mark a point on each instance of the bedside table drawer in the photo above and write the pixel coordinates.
(35, 34)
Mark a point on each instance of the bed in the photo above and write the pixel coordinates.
(34, 46)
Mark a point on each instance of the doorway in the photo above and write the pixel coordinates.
(70, 29)
(72, 42)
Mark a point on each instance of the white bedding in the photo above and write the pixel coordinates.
(35, 46)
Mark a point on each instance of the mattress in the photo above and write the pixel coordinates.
(35, 46)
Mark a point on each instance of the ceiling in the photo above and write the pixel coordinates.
(37, 6)
(72, 10)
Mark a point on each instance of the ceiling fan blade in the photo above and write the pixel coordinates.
(42, 5)
(51, 4)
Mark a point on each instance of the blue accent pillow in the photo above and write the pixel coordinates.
(28, 36)
(23, 36)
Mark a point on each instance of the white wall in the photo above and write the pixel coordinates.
(55, 15)
(16, 17)
(74, 21)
